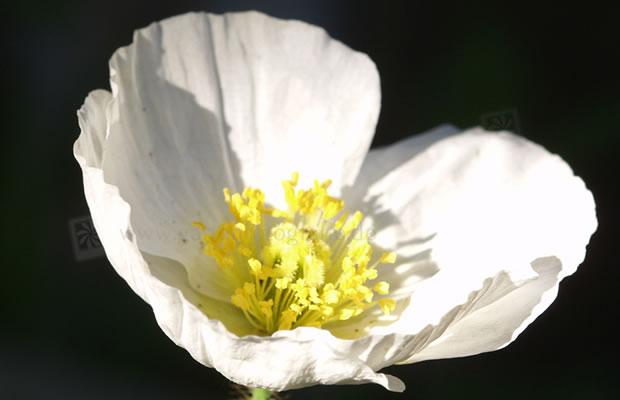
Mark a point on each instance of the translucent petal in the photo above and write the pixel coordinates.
(202, 102)
(147, 177)
(473, 216)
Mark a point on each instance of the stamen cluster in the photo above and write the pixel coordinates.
(307, 266)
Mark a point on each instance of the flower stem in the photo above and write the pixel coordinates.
(260, 394)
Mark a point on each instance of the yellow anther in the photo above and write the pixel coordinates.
(282, 283)
(240, 299)
(388, 258)
(331, 296)
(199, 225)
(327, 311)
(387, 305)
(255, 266)
(287, 319)
(294, 178)
(359, 251)
(229, 244)
(244, 251)
(249, 288)
(338, 224)
(382, 287)
(352, 223)
(346, 313)
(314, 295)
(365, 294)
(265, 307)
(370, 274)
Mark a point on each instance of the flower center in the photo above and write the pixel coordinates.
(307, 266)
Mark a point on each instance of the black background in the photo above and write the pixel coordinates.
(73, 329)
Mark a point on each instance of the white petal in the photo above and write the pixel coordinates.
(491, 318)
(389, 232)
(115, 140)
(271, 362)
(386, 191)
(498, 222)
(203, 102)
(295, 99)
(93, 123)
(103, 200)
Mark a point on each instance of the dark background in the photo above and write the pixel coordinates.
(72, 329)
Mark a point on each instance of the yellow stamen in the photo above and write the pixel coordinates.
(299, 267)
(388, 258)
(382, 288)
(199, 225)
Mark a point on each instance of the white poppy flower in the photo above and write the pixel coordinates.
(483, 225)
